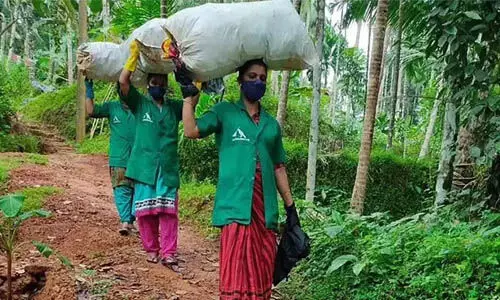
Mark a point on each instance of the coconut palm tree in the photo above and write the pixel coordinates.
(359, 191)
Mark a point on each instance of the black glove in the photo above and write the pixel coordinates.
(292, 218)
(188, 88)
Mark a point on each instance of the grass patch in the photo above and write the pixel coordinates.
(98, 145)
(9, 163)
(19, 143)
(36, 196)
(196, 205)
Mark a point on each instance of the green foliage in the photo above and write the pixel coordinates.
(19, 143)
(435, 255)
(97, 145)
(196, 205)
(400, 186)
(36, 196)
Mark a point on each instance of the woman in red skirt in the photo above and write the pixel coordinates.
(251, 170)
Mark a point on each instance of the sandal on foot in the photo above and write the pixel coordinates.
(153, 259)
(124, 230)
(170, 262)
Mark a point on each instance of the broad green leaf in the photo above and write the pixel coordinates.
(332, 231)
(34, 213)
(340, 261)
(65, 261)
(11, 204)
(478, 27)
(44, 249)
(473, 15)
(442, 40)
(358, 267)
(475, 152)
(493, 231)
(451, 30)
(95, 6)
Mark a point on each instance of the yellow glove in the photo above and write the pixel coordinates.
(198, 84)
(131, 63)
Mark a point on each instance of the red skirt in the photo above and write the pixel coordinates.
(247, 254)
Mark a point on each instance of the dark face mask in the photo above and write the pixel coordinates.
(157, 92)
(253, 90)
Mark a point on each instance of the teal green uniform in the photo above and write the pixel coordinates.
(241, 143)
(157, 132)
(122, 127)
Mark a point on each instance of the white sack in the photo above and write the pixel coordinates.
(213, 39)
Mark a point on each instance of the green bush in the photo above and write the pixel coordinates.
(19, 143)
(425, 256)
(196, 201)
(397, 185)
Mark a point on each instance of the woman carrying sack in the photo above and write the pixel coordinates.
(251, 168)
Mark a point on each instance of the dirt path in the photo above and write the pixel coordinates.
(84, 228)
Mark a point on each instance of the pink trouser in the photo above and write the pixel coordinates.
(159, 233)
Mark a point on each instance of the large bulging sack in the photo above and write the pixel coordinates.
(213, 40)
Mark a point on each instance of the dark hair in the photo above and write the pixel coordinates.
(247, 65)
(151, 75)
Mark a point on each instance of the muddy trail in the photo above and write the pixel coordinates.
(83, 227)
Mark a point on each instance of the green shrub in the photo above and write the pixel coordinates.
(19, 143)
(98, 145)
(9, 163)
(426, 256)
(397, 185)
(196, 201)
(36, 196)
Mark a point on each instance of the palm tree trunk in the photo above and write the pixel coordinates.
(359, 191)
(367, 70)
(314, 128)
(401, 96)
(163, 9)
(430, 129)
(383, 70)
(275, 81)
(285, 82)
(333, 94)
(358, 33)
(105, 17)
(82, 38)
(448, 146)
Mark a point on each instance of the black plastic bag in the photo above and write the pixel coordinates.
(294, 246)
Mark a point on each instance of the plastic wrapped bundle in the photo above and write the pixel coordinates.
(213, 40)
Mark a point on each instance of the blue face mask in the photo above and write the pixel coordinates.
(157, 92)
(253, 90)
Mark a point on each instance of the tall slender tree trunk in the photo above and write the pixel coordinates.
(275, 81)
(333, 94)
(314, 129)
(397, 59)
(430, 129)
(82, 38)
(401, 96)
(448, 146)
(367, 69)
(359, 191)
(106, 16)
(285, 82)
(359, 25)
(13, 32)
(69, 49)
(163, 9)
(383, 70)
(282, 104)
(2, 37)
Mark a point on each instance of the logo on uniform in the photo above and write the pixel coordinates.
(147, 118)
(239, 135)
(116, 120)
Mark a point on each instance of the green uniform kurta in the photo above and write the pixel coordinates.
(241, 143)
(122, 126)
(156, 142)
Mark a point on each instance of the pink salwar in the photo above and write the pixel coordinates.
(159, 233)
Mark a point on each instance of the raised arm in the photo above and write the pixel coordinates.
(127, 92)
